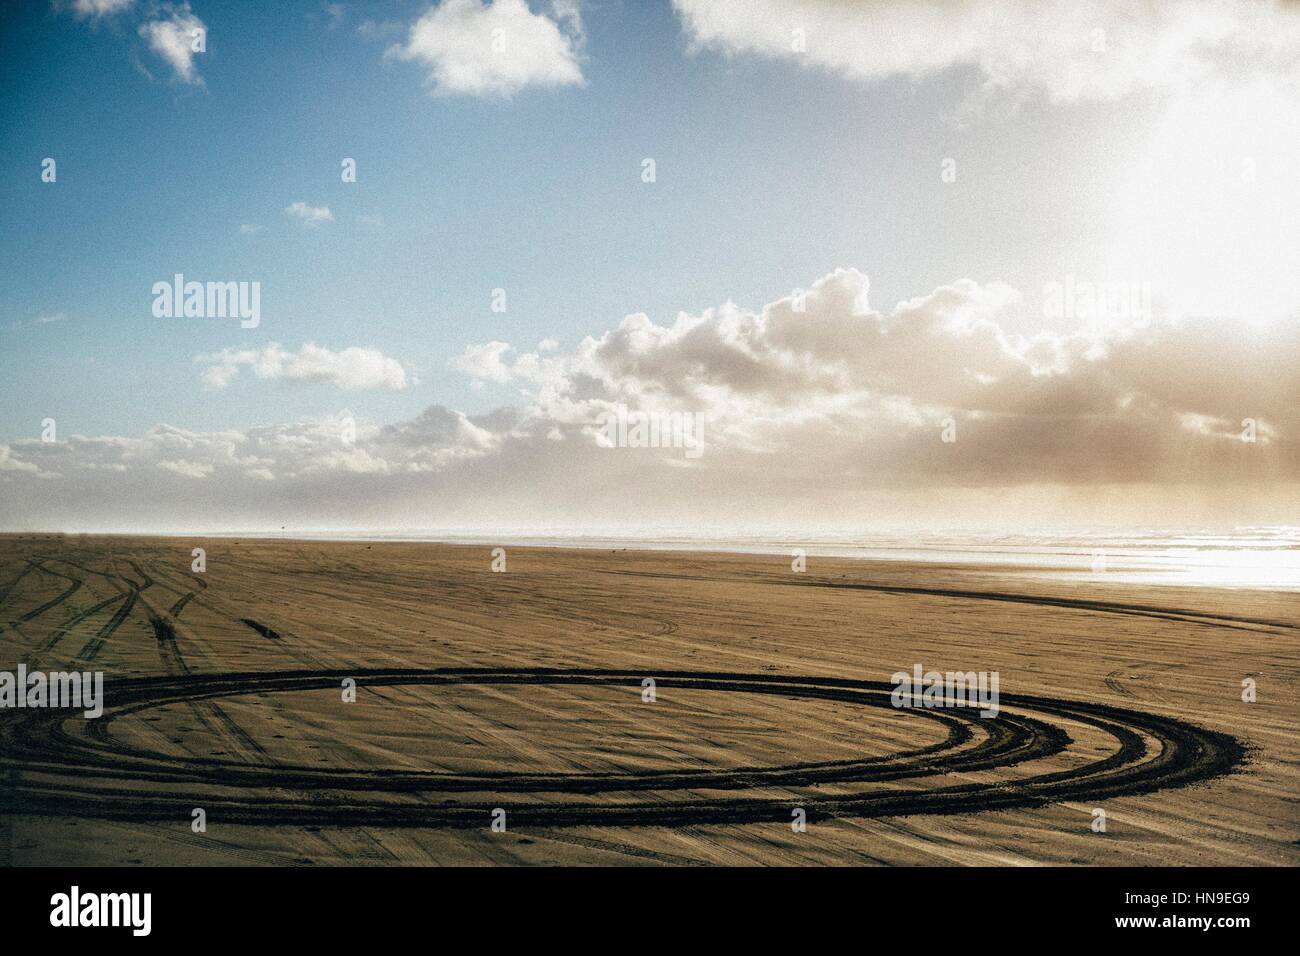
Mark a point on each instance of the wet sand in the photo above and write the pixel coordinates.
(525, 691)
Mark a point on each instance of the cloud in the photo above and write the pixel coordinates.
(326, 456)
(45, 318)
(819, 410)
(99, 8)
(9, 463)
(169, 30)
(48, 317)
(497, 49)
(189, 469)
(484, 361)
(354, 369)
(311, 216)
(827, 380)
(173, 40)
(1088, 49)
(373, 29)
(248, 229)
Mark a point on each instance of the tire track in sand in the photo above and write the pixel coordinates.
(83, 770)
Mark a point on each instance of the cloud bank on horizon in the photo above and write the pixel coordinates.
(813, 404)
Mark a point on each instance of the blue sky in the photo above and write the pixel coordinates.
(771, 172)
(767, 178)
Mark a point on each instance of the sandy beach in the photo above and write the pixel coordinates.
(628, 707)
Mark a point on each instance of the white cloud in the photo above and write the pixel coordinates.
(248, 229)
(45, 318)
(352, 368)
(484, 361)
(311, 216)
(295, 454)
(173, 39)
(1017, 46)
(189, 469)
(99, 8)
(496, 49)
(9, 463)
(373, 29)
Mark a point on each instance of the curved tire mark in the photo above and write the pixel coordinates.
(92, 759)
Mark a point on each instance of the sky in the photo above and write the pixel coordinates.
(907, 265)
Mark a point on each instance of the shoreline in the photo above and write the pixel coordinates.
(1073, 564)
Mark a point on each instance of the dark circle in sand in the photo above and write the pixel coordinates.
(59, 764)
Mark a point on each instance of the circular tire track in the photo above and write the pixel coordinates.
(75, 767)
